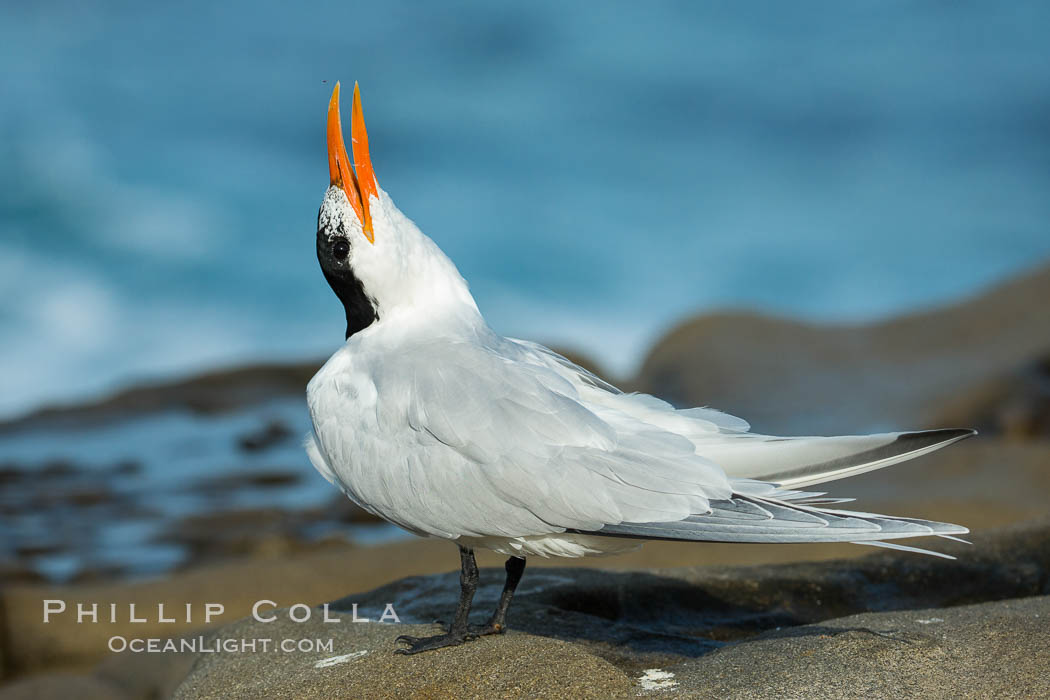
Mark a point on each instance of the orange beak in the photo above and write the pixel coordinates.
(359, 187)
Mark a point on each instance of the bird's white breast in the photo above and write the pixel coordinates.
(342, 402)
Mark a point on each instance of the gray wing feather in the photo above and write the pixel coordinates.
(740, 519)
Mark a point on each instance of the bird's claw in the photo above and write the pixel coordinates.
(439, 641)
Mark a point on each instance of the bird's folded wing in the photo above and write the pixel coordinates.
(600, 394)
(791, 462)
(470, 439)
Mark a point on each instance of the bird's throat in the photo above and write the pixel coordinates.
(360, 310)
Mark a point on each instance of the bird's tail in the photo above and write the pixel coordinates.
(760, 513)
(798, 462)
(766, 506)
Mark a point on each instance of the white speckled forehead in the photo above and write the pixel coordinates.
(337, 217)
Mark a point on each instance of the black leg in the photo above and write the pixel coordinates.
(459, 631)
(497, 624)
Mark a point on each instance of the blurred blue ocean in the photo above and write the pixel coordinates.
(597, 171)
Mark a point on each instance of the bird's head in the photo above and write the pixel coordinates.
(375, 259)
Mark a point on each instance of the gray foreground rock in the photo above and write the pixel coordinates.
(992, 650)
(989, 650)
(784, 631)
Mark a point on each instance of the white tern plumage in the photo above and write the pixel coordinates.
(429, 419)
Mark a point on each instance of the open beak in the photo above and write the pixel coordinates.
(359, 187)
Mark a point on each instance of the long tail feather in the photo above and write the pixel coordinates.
(794, 463)
(906, 548)
(747, 518)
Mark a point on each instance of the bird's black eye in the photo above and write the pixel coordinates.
(340, 249)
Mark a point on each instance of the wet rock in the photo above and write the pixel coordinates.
(228, 534)
(38, 496)
(215, 392)
(12, 572)
(127, 467)
(58, 469)
(262, 478)
(273, 433)
(86, 496)
(10, 473)
(341, 509)
(263, 532)
(36, 549)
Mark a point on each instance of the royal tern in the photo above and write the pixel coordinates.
(430, 420)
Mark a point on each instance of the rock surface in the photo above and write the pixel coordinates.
(1015, 405)
(362, 665)
(885, 625)
(907, 372)
(992, 650)
(916, 653)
